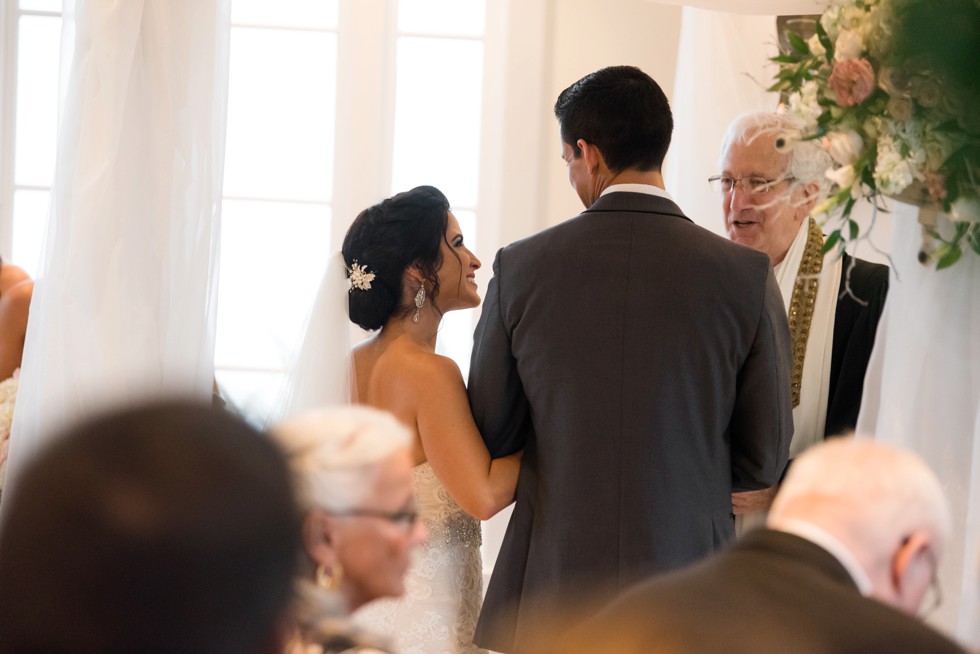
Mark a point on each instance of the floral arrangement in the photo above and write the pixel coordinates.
(891, 89)
(8, 397)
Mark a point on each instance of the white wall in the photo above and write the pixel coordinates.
(589, 35)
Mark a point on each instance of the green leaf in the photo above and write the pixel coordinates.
(798, 43)
(784, 85)
(785, 59)
(831, 241)
(825, 42)
(852, 224)
(973, 238)
(951, 255)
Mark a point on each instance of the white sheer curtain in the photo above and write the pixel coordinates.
(124, 304)
(722, 71)
(922, 391)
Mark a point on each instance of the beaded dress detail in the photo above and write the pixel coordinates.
(444, 584)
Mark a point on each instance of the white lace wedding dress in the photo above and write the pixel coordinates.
(444, 585)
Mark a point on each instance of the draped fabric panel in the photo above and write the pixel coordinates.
(722, 71)
(922, 391)
(124, 304)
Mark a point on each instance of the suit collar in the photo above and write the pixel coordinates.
(779, 544)
(636, 203)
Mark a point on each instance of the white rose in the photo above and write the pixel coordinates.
(849, 45)
(844, 147)
(893, 173)
(966, 208)
(829, 21)
(805, 104)
(843, 177)
(816, 47)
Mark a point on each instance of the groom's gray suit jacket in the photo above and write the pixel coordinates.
(643, 363)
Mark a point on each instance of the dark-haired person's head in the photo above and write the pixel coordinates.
(170, 527)
(621, 111)
(404, 242)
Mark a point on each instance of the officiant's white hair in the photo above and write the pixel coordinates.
(335, 453)
(865, 490)
(807, 160)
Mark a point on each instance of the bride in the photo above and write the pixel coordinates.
(406, 265)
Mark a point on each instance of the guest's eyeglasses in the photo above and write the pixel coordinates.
(750, 185)
(933, 598)
(405, 518)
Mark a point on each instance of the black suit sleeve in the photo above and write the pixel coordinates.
(861, 301)
(497, 399)
(761, 426)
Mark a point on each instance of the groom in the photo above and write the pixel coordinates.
(642, 363)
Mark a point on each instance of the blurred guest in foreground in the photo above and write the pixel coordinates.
(170, 527)
(848, 558)
(16, 289)
(354, 472)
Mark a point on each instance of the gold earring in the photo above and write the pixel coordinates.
(329, 579)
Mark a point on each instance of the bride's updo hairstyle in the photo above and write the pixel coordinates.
(386, 239)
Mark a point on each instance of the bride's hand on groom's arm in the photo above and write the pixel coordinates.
(480, 485)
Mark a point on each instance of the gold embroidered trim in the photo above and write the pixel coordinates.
(801, 305)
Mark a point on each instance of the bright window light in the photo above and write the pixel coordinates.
(39, 45)
(281, 108)
(449, 17)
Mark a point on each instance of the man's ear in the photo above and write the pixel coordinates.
(809, 192)
(911, 565)
(591, 154)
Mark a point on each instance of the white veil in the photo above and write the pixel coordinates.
(321, 373)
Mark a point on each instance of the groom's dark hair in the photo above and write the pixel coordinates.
(622, 111)
(170, 527)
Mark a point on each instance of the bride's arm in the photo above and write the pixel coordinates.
(453, 446)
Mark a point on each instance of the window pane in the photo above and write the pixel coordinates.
(41, 5)
(467, 224)
(455, 17)
(316, 14)
(252, 394)
(281, 114)
(39, 44)
(455, 338)
(437, 116)
(272, 258)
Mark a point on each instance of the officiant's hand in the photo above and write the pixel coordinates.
(752, 501)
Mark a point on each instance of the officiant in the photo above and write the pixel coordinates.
(770, 181)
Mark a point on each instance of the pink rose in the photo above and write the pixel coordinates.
(852, 81)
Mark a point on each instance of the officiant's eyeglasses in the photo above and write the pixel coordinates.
(405, 518)
(750, 185)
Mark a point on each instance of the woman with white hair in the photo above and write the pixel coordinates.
(354, 472)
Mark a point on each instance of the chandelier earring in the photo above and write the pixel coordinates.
(419, 301)
(329, 579)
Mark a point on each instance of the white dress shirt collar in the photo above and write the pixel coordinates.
(649, 189)
(834, 547)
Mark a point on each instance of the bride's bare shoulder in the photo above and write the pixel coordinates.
(401, 363)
